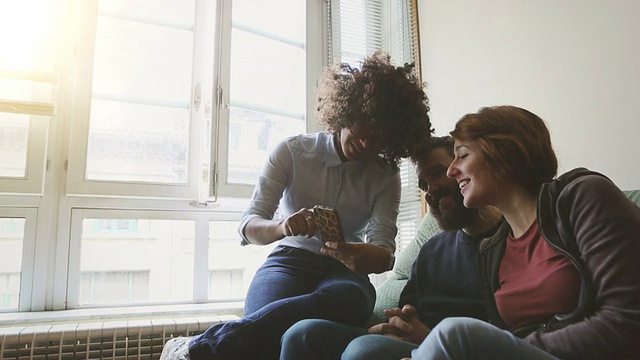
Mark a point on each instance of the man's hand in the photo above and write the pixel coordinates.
(403, 324)
(359, 257)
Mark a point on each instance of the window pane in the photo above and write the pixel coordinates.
(11, 240)
(178, 12)
(231, 266)
(267, 97)
(142, 62)
(14, 134)
(276, 81)
(151, 149)
(252, 135)
(27, 34)
(286, 18)
(140, 109)
(133, 261)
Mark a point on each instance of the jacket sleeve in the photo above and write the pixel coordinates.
(606, 229)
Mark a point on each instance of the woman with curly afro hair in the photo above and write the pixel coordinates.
(379, 103)
(375, 115)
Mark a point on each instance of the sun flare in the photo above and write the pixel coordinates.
(26, 34)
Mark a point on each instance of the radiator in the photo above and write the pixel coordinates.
(140, 339)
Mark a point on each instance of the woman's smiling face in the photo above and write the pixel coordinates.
(472, 174)
(357, 144)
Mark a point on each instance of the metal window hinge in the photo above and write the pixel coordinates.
(197, 97)
(214, 181)
(221, 104)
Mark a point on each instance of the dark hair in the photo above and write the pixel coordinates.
(436, 142)
(515, 142)
(388, 100)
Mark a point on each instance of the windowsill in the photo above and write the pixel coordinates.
(102, 314)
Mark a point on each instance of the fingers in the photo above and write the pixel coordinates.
(393, 312)
(409, 310)
(400, 323)
(331, 248)
(301, 222)
(395, 329)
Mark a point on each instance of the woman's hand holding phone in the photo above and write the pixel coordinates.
(301, 222)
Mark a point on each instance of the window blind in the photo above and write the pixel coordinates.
(356, 29)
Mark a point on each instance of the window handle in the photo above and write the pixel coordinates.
(222, 104)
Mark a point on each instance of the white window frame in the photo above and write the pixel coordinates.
(76, 182)
(38, 116)
(28, 252)
(201, 221)
(60, 198)
(314, 63)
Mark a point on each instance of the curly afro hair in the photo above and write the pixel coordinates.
(388, 100)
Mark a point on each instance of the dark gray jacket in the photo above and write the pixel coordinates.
(586, 217)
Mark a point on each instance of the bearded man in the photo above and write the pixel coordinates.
(444, 280)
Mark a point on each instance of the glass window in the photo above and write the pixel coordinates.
(28, 61)
(134, 261)
(14, 133)
(267, 84)
(116, 117)
(114, 287)
(141, 92)
(11, 245)
(231, 266)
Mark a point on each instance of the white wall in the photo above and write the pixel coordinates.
(575, 63)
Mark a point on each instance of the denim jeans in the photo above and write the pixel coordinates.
(466, 338)
(290, 286)
(328, 340)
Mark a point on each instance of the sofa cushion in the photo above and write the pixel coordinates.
(633, 195)
(428, 228)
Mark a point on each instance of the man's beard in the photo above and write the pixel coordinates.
(454, 218)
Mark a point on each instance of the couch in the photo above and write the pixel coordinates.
(388, 292)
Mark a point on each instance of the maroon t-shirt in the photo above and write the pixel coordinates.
(536, 281)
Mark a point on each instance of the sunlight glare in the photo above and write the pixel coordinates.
(25, 33)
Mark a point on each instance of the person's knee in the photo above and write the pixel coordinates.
(461, 328)
(348, 302)
(304, 329)
(363, 347)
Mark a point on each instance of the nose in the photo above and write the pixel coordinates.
(372, 146)
(452, 170)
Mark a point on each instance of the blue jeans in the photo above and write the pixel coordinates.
(468, 339)
(325, 340)
(290, 286)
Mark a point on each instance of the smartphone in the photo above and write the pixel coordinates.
(328, 223)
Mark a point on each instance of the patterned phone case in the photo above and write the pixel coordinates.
(328, 223)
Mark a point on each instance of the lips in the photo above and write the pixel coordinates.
(462, 184)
